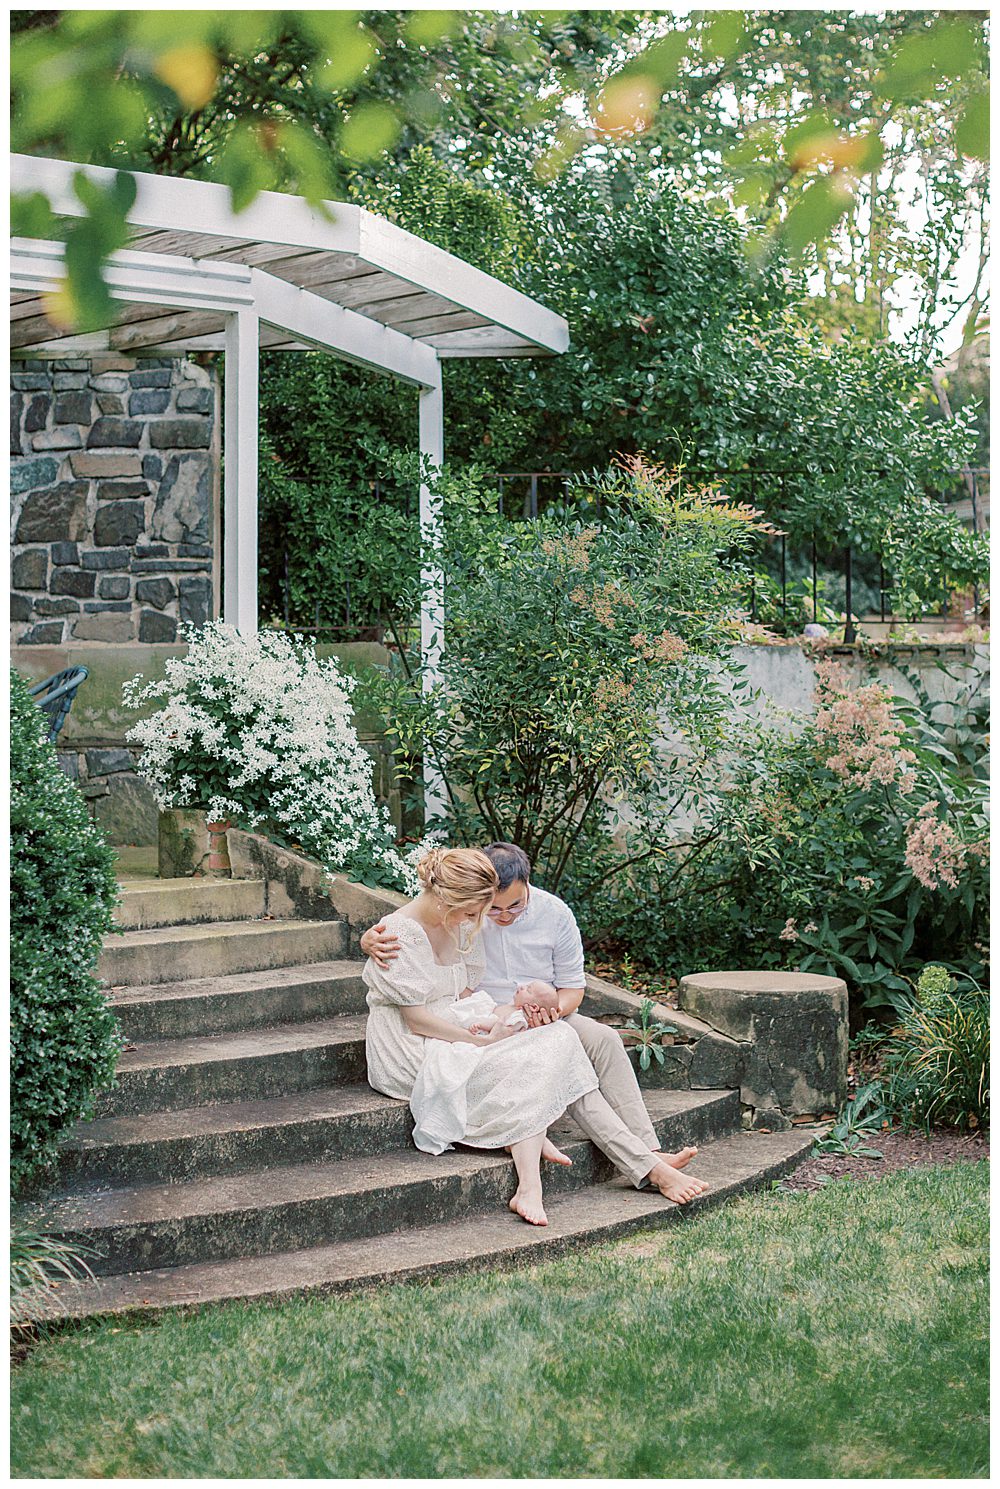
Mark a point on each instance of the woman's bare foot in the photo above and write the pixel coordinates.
(552, 1154)
(680, 1159)
(674, 1185)
(528, 1204)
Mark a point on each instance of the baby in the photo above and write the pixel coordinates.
(476, 1011)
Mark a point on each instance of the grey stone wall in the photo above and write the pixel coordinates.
(114, 475)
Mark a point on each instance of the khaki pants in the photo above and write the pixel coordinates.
(614, 1116)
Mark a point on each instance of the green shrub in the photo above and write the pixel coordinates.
(936, 1061)
(64, 1037)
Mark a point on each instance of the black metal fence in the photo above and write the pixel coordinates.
(851, 583)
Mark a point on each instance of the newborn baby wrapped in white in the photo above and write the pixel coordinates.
(438, 1101)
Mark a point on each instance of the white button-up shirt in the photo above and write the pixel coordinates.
(544, 941)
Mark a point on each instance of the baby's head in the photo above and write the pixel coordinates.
(541, 994)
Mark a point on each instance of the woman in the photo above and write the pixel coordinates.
(496, 1090)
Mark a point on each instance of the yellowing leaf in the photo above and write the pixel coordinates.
(61, 308)
(628, 105)
(191, 71)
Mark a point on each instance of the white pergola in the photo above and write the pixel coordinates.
(198, 276)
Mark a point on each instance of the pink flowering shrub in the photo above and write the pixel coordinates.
(856, 848)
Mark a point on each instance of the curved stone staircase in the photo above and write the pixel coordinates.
(241, 1153)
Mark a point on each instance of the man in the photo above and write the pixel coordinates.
(529, 934)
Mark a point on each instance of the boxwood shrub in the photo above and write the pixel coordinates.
(64, 1036)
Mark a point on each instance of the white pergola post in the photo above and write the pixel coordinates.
(239, 567)
(432, 601)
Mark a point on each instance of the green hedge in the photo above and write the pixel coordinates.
(64, 1037)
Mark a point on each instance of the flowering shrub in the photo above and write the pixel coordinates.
(855, 847)
(258, 730)
(568, 650)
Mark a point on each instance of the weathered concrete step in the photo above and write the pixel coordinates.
(158, 902)
(253, 1066)
(701, 1058)
(240, 1002)
(598, 1212)
(137, 958)
(311, 1126)
(301, 1205)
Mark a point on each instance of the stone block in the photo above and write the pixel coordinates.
(119, 522)
(56, 514)
(30, 570)
(182, 844)
(195, 608)
(149, 401)
(69, 382)
(111, 362)
(195, 400)
(109, 382)
(66, 437)
(182, 512)
(94, 789)
(109, 433)
(68, 762)
(115, 587)
(105, 607)
(109, 558)
(193, 550)
(26, 382)
(77, 582)
(29, 475)
(107, 762)
(16, 410)
(154, 627)
(48, 633)
(157, 377)
(37, 413)
(20, 607)
(121, 490)
(74, 408)
(104, 628)
(63, 606)
(152, 467)
(152, 550)
(796, 1027)
(169, 565)
(128, 813)
(157, 592)
(71, 364)
(110, 403)
(180, 434)
(65, 553)
(101, 466)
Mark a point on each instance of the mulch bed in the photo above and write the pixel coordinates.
(899, 1150)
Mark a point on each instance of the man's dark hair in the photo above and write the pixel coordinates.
(510, 862)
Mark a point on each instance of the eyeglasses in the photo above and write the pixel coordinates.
(495, 911)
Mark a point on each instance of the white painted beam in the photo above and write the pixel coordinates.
(239, 565)
(354, 337)
(431, 417)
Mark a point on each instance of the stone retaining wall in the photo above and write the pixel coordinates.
(114, 477)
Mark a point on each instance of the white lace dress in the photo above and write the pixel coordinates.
(487, 1096)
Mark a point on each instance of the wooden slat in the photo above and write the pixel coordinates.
(155, 329)
(29, 304)
(485, 337)
(459, 320)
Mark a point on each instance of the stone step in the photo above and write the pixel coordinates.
(137, 958)
(288, 1207)
(157, 902)
(312, 1126)
(240, 1002)
(256, 1065)
(598, 1212)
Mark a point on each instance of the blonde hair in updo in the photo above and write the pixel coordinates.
(463, 878)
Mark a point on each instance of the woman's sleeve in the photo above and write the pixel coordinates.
(475, 963)
(405, 982)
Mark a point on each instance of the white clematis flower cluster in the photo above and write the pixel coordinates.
(258, 730)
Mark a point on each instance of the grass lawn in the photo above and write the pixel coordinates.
(834, 1334)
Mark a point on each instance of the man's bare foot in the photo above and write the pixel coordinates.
(528, 1204)
(680, 1159)
(674, 1185)
(552, 1154)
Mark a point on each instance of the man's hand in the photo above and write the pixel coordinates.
(381, 945)
(538, 1016)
